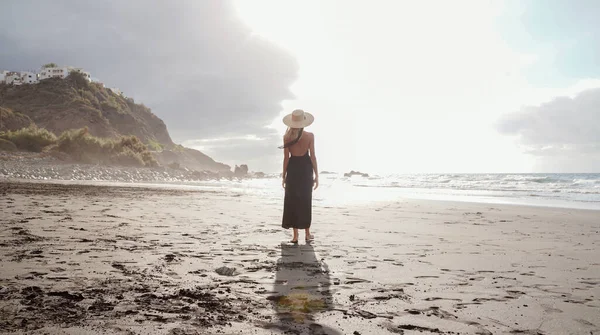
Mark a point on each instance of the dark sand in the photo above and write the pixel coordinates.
(121, 260)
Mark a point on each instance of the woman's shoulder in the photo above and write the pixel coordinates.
(309, 134)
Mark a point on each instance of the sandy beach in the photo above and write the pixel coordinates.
(81, 259)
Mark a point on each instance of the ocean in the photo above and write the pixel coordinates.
(549, 190)
(572, 190)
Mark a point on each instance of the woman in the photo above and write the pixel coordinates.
(299, 163)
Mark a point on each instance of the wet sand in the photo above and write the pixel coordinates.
(132, 260)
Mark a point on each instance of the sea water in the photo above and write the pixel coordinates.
(550, 190)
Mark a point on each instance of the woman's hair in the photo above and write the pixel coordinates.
(291, 137)
(291, 134)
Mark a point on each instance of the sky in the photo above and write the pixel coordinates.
(395, 86)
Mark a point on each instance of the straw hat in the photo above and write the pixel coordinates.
(298, 119)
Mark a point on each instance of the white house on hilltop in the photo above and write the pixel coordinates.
(18, 78)
(46, 72)
(53, 72)
(13, 78)
(29, 77)
(61, 72)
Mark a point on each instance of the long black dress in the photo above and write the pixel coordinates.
(297, 204)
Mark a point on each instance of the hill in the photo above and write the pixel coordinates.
(60, 105)
(10, 120)
(63, 104)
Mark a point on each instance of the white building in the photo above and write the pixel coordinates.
(18, 78)
(13, 78)
(54, 72)
(61, 72)
(28, 77)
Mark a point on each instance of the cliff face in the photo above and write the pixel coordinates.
(72, 103)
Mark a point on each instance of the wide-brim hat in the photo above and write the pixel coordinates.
(298, 119)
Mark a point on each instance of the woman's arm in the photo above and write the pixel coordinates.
(313, 159)
(286, 160)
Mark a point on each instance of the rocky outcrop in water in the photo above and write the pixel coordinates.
(241, 171)
(356, 173)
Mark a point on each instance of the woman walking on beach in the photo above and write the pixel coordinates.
(299, 163)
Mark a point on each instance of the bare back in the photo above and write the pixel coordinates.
(303, 145)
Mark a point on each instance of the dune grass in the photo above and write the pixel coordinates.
(31, 138)
(83, 147)
(126, 150)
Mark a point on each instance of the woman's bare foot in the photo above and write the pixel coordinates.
(295, 238)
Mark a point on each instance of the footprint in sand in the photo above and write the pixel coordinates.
(550, 309)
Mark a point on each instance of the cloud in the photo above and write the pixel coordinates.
(193, 62)
(257, 152)
(563, 127)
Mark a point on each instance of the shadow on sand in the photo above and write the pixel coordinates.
(302, 290)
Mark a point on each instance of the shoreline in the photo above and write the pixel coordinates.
(104, 259)
(190, 186)
(580, 191)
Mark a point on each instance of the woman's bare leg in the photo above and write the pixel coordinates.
(308, 235)
(295, 238)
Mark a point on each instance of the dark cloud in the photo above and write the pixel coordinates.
(564, 128)
(193, 62)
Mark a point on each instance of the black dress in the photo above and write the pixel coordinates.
(297, 204)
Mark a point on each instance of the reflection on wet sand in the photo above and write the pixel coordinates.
(301, 290)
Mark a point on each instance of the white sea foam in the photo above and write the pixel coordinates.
(560, 190)
(553, 190)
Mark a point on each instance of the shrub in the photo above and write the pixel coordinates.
(90, 97)
(78, 79)
(82, 146)
(149, 159)
(178, 148)
(127, 158)
(154, 145)
(130, 142)
(6, 145)
(108, 105)
(13, 120)
(31, 138)
(127, 150)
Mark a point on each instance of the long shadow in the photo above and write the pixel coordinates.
(301, 291)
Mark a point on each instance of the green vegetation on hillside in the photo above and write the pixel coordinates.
(31, 138)
(154, 146)
(10, 120)
(82, 147)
